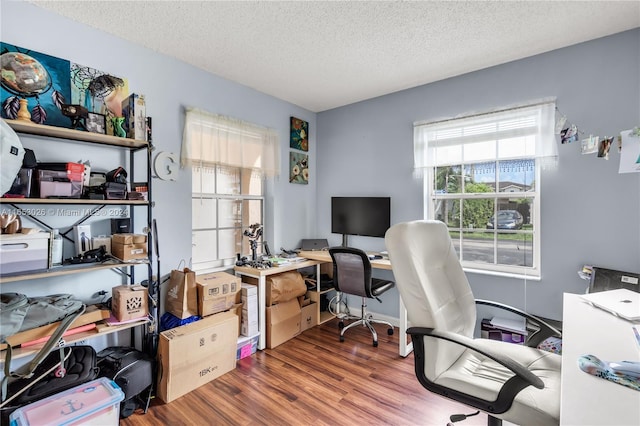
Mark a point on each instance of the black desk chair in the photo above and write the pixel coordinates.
(352, 275)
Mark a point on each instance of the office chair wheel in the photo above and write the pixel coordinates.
(375, 343)
(342, 338)
(341, 325)
(390, 331)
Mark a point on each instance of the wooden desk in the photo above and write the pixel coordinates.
(405, 347)
(586, 399)
(261, 275)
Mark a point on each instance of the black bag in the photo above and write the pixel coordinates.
(53, 375)
(133, 371)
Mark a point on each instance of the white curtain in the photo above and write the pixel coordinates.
(518, 132)
(212, 139)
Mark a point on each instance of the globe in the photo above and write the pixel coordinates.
(23, 75)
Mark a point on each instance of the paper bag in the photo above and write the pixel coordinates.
(182, 294)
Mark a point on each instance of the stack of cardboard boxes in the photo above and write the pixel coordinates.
(289, 312)
(197, 353)
(128, 247)
(249, 332)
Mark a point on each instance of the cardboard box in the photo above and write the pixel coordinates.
(96, 402)
(129, 238)
(217, 292)
(129, 302)
(194, 354)
(249, 290)
(283, 322)
(24, 252)
(308, 316)
(248, 324)
(250, 303)
(237, 309)
(276, 294)
(129, 251)
(100, 241)
(92, 314)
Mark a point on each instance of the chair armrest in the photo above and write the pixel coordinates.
(546, 330)
(505, 361)
(521, 379)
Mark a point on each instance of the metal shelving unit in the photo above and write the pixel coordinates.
(108, 141)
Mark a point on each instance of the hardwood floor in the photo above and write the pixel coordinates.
(313, 380)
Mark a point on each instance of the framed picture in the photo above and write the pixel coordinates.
(96, 123)
(299, 134)
(298, 167)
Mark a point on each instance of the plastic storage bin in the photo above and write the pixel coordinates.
(93, 403)
(24, 252)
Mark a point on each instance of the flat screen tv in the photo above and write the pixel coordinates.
(365, 216)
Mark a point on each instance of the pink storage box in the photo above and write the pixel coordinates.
(93, 403)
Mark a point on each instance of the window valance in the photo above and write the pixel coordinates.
(212, 139)
(518, 132)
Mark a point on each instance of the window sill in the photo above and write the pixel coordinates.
(503, 274)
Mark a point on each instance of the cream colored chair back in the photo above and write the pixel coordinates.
(433, 286)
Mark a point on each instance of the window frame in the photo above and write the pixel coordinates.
(431, 198)
(522, 132)
(224, 263)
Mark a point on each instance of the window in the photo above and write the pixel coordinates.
(225, 201)
(229, 160)
(482, 176)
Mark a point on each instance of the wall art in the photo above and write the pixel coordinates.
(299, 134)
(298, 167)
(99, 92)
(34, 86)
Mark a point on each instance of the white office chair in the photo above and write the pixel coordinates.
(517, 383)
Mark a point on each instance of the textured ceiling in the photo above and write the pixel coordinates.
(324, 54)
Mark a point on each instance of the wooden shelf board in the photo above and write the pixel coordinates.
(29, 127)
(31, 350)
(66, 270)
(325, 316)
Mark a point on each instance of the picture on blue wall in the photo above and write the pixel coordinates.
(299, 134)
(34, 86)
(298, 167)
(99, 92)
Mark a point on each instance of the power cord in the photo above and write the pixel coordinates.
(459, 417)
(338, 306)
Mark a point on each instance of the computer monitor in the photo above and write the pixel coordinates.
(364, 216)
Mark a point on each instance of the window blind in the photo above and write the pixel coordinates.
(522, 132)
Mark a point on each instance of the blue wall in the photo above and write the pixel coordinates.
(168, 85)
(590, 213)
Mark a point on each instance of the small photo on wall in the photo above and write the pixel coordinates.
(96, 123)
(299, 134)
(298, 168)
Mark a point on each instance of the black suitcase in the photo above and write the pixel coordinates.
(133, 371)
